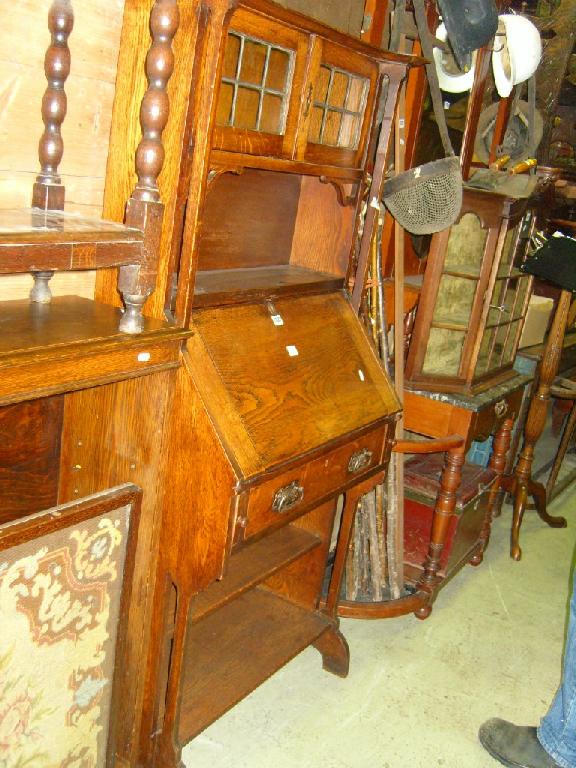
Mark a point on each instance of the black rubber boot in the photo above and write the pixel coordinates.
(515, 746)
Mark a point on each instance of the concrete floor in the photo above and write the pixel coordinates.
(417, 691)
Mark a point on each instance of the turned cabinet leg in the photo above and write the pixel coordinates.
(450, 480)
(498, 462)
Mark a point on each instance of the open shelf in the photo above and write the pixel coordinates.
(34, 239)
(233, 650)
(230, 286)
(252, 564)
(73, 342)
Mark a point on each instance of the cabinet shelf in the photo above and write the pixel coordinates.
(252, 564)
(74, 342)
(267, 630)
(224, 159)
(34, 239)
(231, 286)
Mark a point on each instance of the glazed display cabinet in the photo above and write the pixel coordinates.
(474, 298)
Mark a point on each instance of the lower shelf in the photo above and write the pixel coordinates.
(233, 650)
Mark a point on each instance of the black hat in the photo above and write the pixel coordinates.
(470, 25)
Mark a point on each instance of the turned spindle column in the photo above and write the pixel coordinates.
(521, 485)
(444, 509)
(48, 190)
(144, 210)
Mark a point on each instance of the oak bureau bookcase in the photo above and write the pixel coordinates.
(281, 404)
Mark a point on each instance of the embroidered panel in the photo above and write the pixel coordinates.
(59, 607)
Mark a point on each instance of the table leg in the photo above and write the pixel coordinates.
(520, 484)
(498, 462)
(443, 510)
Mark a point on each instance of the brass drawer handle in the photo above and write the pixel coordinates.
(500, 408)
(360, 460)
(287, 497)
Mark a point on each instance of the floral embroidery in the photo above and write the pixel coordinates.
(21, 715)
(87, 685)
(59, 603)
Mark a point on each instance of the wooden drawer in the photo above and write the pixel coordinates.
(289, 494)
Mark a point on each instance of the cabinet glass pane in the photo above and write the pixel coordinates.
(523, 288)
(247, 102)
(485, 349)
(231, 56)
(466, 245)
(454, 300)
(253, 62)
(510, 346)
(271, 113)
(502, 332)
(278, 68)
(337, 96)
(508, 251)
(224, 108)
(338, 108)
(315, 125)
(443, 352)
(499, 311)
(331, 128)
(255, 85)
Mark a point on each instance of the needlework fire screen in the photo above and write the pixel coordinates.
(61, 592)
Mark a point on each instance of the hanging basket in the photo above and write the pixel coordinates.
(428, 198)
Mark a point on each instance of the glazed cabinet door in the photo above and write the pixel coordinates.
(263, 67)
(338, 103)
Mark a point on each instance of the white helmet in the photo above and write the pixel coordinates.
(517, 52)
(450, 77)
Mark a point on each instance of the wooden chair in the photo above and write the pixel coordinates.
(43, 239)
(65, 584)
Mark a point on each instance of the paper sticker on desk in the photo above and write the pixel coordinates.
(292, 350)
(277, 319)
(361, 374)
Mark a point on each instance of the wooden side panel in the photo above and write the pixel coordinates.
(196, 528)
(248, 220)
(322, 242)
(29, 456)
(111, 435)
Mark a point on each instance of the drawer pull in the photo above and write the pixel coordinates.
(287, 497)
(500, 408)
(360, 460)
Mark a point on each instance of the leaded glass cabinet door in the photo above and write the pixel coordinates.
(258, 98)
(474, 298)
(338, 106)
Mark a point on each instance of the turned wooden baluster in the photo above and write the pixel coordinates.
(444, 508)
(48, 190)
(520, 484)
(144, 209)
